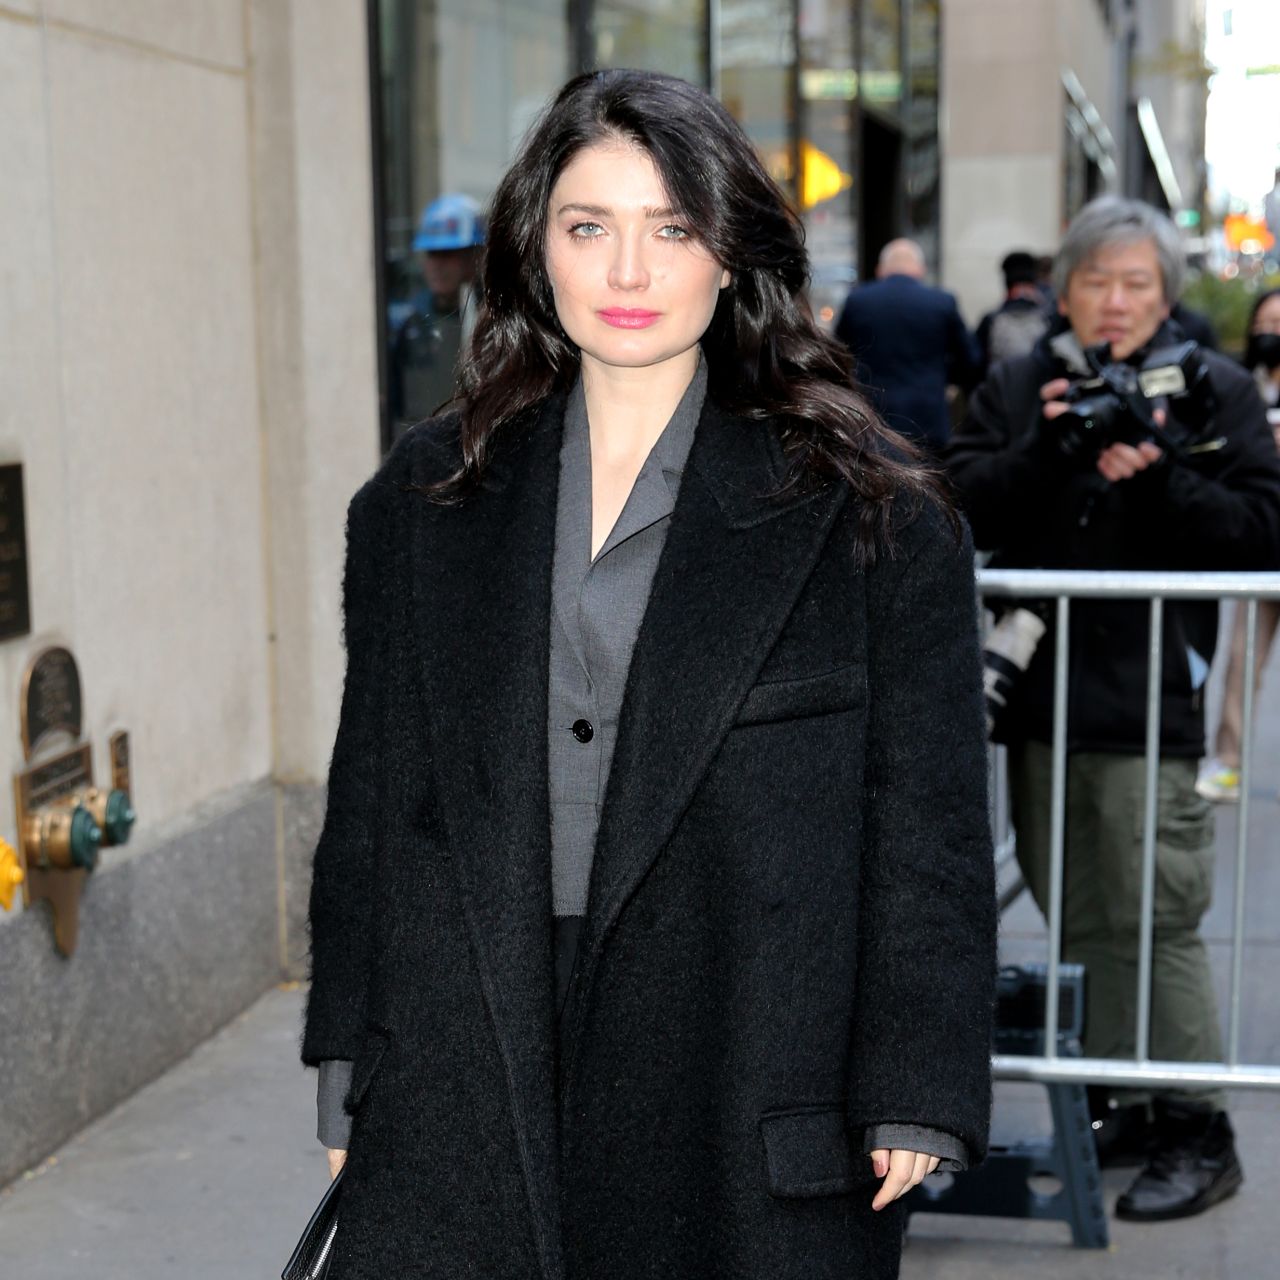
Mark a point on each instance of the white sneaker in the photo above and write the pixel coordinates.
(1218, 782)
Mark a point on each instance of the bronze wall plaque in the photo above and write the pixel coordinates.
(15, 586)
(50, 698)
(52, 779)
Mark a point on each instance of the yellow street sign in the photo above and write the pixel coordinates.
(820, 176)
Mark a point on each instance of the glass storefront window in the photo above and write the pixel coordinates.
(461, 82)
(882, 54)
(755, 57)
(827, 189)
(923, 168)
(840, 98)
(658, 35)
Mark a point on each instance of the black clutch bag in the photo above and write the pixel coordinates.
(310, 1260)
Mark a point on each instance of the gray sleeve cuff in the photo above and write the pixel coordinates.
(954, 1155)
(333, 1126)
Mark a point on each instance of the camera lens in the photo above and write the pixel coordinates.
(1086, 427)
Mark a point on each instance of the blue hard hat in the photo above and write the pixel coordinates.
(450, 221)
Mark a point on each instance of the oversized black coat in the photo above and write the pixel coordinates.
(791, 926)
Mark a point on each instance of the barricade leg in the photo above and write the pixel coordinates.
(1076, 1159)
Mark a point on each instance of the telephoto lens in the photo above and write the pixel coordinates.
(1005, 656)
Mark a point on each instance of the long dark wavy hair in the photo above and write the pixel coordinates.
(766, 359)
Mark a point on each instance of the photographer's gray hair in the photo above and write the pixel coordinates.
(1111, 220)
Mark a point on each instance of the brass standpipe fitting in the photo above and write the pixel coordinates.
(112, 811)
(63, 835)
(63, 819)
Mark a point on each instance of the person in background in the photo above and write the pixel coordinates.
(1220, 775)
(1202, 491)
(428, 344)
(1017, 324)
(908, 343)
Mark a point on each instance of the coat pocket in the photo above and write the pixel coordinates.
(807, 1153)
(839, 690)
(367, 1061)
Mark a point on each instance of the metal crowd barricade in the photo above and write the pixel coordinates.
(1064, 586)
(1052, 1056)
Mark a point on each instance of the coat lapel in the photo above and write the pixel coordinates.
(483, 600)
(732, 568)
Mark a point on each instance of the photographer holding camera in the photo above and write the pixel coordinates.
(1116, 444)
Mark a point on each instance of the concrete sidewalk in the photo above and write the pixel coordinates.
(208, 1173)
(211, 1171)
(1236, 1240)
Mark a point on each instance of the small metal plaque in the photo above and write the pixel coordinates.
(15, 591)
(51, 701)
(52, 779)
(118, 746)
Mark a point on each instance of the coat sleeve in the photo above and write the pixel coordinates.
(847, 332)
(342, 879)
(333, 1124)
(921, 1037)
(953, 1157)
(999, 461)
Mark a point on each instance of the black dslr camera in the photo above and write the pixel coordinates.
(1116, 405)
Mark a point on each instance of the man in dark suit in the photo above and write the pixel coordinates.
(908, 342)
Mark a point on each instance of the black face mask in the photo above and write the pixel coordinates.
(1263, 349)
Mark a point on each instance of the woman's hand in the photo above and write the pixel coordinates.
(901, 1170)
(336, 1160)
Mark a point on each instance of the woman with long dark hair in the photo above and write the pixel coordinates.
(652, 918)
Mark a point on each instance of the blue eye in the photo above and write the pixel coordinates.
(586, 230)
(673, 232)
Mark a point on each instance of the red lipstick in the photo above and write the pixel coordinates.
(628, 317)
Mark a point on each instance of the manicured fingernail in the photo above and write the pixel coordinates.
(880, 1167)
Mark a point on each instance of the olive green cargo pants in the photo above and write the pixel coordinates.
(1102, 899)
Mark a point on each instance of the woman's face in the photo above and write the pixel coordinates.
(1268, 318)
(634, 287)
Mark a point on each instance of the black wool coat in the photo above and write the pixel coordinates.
(790, 933)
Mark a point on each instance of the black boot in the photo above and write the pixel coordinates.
(1193, 1166)
(1121, 1132)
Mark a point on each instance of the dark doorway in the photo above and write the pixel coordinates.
(880, 217)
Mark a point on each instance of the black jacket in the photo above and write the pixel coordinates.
(908, 342)
(1213, 509)
(790, 929)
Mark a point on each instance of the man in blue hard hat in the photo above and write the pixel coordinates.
(426, 346)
